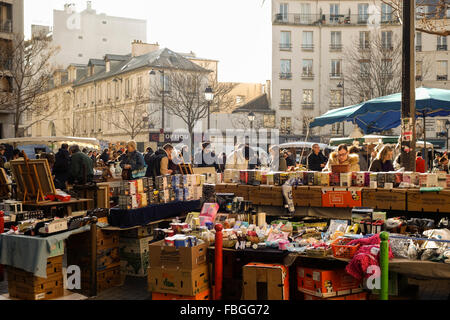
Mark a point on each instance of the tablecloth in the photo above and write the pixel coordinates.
(31, 253)
(143, 216)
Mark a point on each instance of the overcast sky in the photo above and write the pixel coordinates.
(235, 32)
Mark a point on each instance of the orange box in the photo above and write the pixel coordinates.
(341, 197)
(205, 295)
(356, 296)
(265, 281)
(326, 283)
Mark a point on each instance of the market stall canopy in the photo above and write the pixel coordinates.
(302, 144)
(375, 139)
(44, 140)
(384, 113)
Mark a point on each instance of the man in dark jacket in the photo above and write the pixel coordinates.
(61, 167)
(147, 158)
(81, 167)
(159, 162)
(316, 160)
(105, 156)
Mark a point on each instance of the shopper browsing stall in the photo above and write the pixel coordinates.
(159, 162)
(383, 161)
(316, 160)
(342, 157)
(62, 166)
(81, 168)
(133, 159)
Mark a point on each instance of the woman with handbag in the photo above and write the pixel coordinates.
(133, 160)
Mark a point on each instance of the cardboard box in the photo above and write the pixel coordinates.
(139, 232)
(341, 197)
(307, 196)
(326, 283)
(265, 282)
(383, 199)
(267, 195)
(134, 264)
(178, 281)
(202, 296)
(172, 257)
(428, 201)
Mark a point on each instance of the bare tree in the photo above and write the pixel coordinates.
(373, 70)
(240, 121)
(223, 100)
(185, 97)
(26, 63)
(137, 117)
(431, 15)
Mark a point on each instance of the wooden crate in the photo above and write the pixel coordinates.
(106, 279)
(243, 191)
(268, 195)
(307, 196)
(105, 259)
(384, 199)
(428, 201)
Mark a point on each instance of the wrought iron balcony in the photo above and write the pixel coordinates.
(335, 47)
(336, 75)
(441, 47)
(442, 77)
(307, 47)
(418, 78)
(419, 48)
(307, 75)
(285, 46)
(6, 26)
(285, 105)
(330, 19)
(308, 105)
(285, 75)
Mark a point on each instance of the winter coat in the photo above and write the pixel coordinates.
(314, 161)
(157, 164)
(379, 166)
(135, 159)
(81, 168)
(352, 161)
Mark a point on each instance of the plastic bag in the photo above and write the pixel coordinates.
(399, 247)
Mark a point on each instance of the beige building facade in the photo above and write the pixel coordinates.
(309, 41)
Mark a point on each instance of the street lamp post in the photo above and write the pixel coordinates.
(162, 95)
(342, 86)
(209, 96)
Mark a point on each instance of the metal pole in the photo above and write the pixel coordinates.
(425, 150)
(163, 93)
(343, 105)
(218, 263)
(408, 88)
(384, 265)
(209, 110)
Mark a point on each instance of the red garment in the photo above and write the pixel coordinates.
(420, 165)
(368, 254)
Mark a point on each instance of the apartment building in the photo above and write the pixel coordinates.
(309, 42)
(88, 34)
(11, 26)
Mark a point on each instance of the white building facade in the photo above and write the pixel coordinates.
(85, 35)
(309, 40)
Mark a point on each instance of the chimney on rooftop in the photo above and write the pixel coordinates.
(139, 48)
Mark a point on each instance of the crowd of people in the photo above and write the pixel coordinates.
(75, 166)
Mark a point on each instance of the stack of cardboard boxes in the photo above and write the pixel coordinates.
(107, 256)
(134, 253)
(178, 273)
(25, 286)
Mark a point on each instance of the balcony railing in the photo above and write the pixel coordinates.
(386, 74)
(285, 46)
(327, 19)
(419, 48)
(307, 47)
(6, 26)
(442, 78)
(441, 47)
(307, 75)
(335, 47)
(285, 105)
(308, 105)
(418, 78)
(334, 105)
(336, 75)
(364, 75)
(285, 75)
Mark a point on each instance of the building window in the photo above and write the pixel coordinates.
(285, 99)
(364, 39)
(139, 85)
(127, 88)
(418, 41)
(336, 40)
(108, 91)
(386, 13)
(285, 43)
(336, 71)
(305, 13)
(165, 83)
(335, 98)
(285, 69)
(286, 125)
(283, 15)
(442, 67)
(386, 40)
(269, 121)
(441, 43)
(307, 41)
(334, 12)
(240, 99)
(306, 121)
(364, 67)
(117, 90)
(308, 98)
(419, 70)
(80, 37)
(307, 68)
(337, 128)
(363, 13)
(386, 68)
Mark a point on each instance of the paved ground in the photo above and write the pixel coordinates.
(134, 289)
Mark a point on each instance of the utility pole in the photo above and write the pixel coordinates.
(408, 137)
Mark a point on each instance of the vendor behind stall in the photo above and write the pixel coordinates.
(134, 160)
(342, 157)
(383, 162)
(81, 167)
(316, 160)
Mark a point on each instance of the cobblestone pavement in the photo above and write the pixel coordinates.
(135, 288)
